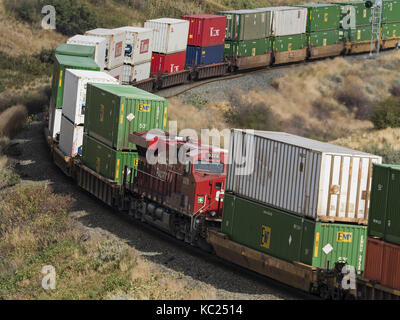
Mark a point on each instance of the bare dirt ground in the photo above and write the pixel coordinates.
(30, 157)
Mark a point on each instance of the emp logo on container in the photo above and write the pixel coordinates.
(344, 237)
(265, 237)
(144, 108)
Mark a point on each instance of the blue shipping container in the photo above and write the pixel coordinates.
(204, 55)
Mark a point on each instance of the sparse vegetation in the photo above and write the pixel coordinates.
(387, 113)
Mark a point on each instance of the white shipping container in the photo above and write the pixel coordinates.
(54, 121)
(170, 35)
(140, 71)
(75, 86)
(138, 44)
(115, 45)
(71, 138)
(99, 42)
(122, 73)
(309, 178)
(287, 21)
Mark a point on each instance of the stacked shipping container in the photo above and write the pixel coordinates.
(323, 35)
(297, 192)
(73, 111)
(112, 113)
(390, 23)
(247, 36)
(383, 247)
(169, 44)
(206, 39)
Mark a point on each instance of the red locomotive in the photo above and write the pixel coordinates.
(180, 183)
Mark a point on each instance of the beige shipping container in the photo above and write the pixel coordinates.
(286, 21)
(317, 180)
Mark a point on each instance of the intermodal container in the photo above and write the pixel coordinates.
(106, 161)
(247, 48)
(390, 30)
(293, 238)
(54, 121)
(360, 34)
(168, 63)
(140, 71)
(197, 56)
(323, 38)
(289, 43)
(114, 111)
(287, 21)
(322, 16)
(115, 45)
(75, 92)
(98, 42)
(247, 24)
(306, 177)
(71, 138)
(374, 259)
(138, 44)
(76, 50)
(354, 14)
(170, 35)
(61, 64)
(385, 203)
(122, 74)
(391, 11)
(206, 29)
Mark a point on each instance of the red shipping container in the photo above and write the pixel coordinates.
(391, 266)
(206, 30)
(374, 259)
(168, 63)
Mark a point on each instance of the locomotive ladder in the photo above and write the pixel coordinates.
(376, 22)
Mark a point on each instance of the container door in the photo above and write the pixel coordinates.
(393, 209)
(379, 198)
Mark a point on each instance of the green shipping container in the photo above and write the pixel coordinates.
(356, 11)
(114, 111)
(323, 38)
(359, 34)
(106, 161)
(390, 30)
(247, 24)
(293, 238)
(322, 16)
(76, 50)
(391, 11)
(62, 63)
(247, 48)
(289, 43)
(384, 214)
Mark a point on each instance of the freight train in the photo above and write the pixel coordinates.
(299, 215)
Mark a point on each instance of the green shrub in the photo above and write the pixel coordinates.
(388, 154)
(386, 114)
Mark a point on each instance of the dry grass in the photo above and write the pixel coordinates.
(18, 38)
(12, 120)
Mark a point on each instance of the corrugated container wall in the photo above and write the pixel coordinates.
(106, 161)
(71, 138)
(322, 16)
(54, 121)
(138, 44)
(76, 50)
(391, 11)
(246, 24)
(75, 92)
(289, 43)
(140, 71)
(293, 238)
(113, 112)
(385, 203)
(98, 42)
(286, 21)
(122, 73)
(115, 45)
(306, 177)
(374, 260)
(360, 34)
(61, 64)
(323, 38)
(248, 48)
(196, 56)
(206, 29)
(168, 63)
(391, 30)
(170, 35)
